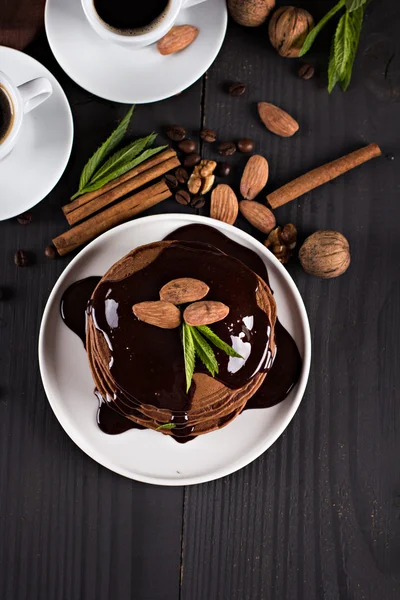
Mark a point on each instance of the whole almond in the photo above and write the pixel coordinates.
(277, 120)
(255, 177)
(185, 289)
(224, 204)
(158, 313)
(177, 38)
(205, 312)
(258, 215)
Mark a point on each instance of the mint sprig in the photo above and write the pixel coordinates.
(166, 426)
(195, 344)
(345, 42)
(106, 165)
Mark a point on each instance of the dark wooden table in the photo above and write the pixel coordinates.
(318, 515)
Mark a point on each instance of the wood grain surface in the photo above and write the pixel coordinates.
(317, 517)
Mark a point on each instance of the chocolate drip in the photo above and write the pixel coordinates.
(73, 305)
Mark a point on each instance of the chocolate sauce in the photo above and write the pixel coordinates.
(155, 362)
(73, 305)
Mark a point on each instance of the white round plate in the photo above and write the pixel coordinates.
(44, 144)
(147, 455)
(130, 75)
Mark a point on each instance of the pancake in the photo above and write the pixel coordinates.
(143, 390)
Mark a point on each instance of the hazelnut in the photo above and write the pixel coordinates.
(288, 29)
(325, 254)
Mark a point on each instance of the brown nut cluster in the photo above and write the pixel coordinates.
(282, 242)
(325, 254)
(288, 28)
(202, 179)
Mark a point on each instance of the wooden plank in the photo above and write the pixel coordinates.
(317, 516)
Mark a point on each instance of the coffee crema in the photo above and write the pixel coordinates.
(131, 18)
(6, 114)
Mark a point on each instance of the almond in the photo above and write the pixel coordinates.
(185, 289)
(160, 314)
(205, 312)
(177, 39)
(255, 177)
(224, 204)
(258, 215)
(277, 120)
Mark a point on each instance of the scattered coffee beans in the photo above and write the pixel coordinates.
(25, 218)
(21, 258)
(187, 146)
(237, 89)
(176, 133)
(306, 71)
(50, 252)
(223, 169)
(208, 135)
(191, 160)
(171, 181)
(182, 197)
(245, 145)
(227, 148)
(197, 202)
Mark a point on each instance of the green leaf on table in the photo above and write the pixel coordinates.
(121, 170)
(188, 353)
(342, 44)
(124, 156)
(166, 426)
(354, 4)
(355, 20)
(207, 332)
(333, 76)
(344, 48)
(204, 351)
(105, 150)
(308, 42)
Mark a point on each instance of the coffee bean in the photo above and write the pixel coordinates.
(227, 148)
(50, 251)
(187, 146)
(237, 89)
(191, 160)
(182, 197)
(176, 133)
(223, 169)
(306, 71)
(25, 218)
(197, 202)
(208, 135)
(182, 175)
(171, 181)
(245, 145)
(21, 258)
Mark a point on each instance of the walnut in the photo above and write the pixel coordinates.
(281, 242)
(325, 254)
(202, 178)
(288, 28)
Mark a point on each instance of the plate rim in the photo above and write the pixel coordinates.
(220, 471)
(55, 181)
(149, 99)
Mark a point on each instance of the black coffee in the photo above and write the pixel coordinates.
(6, 114)
(131, 15)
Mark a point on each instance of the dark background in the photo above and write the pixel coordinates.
(318, 515)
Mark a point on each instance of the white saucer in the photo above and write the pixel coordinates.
(128, 75)
(147, 455)
(44, 145)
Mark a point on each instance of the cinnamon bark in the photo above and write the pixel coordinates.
(135, 182)
(115, 215)
(144, 166)
(321, 175)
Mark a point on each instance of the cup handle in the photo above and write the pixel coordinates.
(35, 92)
(187, 3)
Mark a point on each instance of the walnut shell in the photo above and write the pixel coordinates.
(325, 254)
(250, 13)
(288, 28)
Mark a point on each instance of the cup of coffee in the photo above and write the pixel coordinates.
(15, 102)
(134, 23)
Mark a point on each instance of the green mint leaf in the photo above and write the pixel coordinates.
(121, 170)
(355, 25)
(333, 76)
(204, 352)
(214, 339)
(188, 354)
(354, 4)
(105, 150)
(342, 44)
(308, 42)
(124, 156)
(166, 426)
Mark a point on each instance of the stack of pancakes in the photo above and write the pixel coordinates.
(212, 405)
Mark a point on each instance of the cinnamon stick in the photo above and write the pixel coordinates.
(321, 175)
(112, 216)
(144, 166)
(96, 204)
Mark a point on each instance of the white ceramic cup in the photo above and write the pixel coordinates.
(23, 99)
(136, 40)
